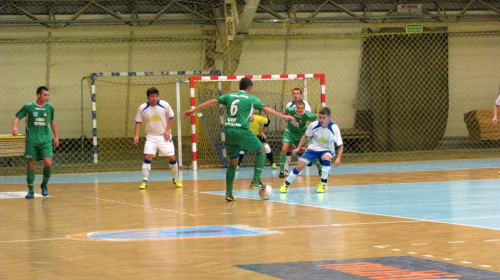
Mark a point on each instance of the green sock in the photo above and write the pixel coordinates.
(318, 165)
(260, 160)
(46, 175)
(282, 162)
(231, 169)
(30, 179)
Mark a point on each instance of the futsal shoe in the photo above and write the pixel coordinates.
(282, 174)
(319, 172)
(177, 183)
(30, 194)
(143, 186)
(283, 188)
(45, 192)
(321, 188)
(273, 166)
(230, 197)
(237, 167)
(257, 185)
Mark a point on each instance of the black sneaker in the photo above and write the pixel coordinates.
(230, 197)
(282, 174)
(30, 194)
(319, 172)
(257, 185)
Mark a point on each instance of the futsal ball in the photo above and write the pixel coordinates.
(266, 193)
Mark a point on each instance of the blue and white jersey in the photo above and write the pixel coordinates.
(324, 139)
(154, 117)
(292, 104)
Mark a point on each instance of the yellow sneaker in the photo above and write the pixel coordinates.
(283, 188)
(321, 188)
(144, 186)
(177, 183)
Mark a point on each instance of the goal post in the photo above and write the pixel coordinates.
(115, 97)
(208, 144)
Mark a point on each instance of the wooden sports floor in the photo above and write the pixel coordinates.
(405, 220)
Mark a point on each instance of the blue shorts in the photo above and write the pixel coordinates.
(310, 155)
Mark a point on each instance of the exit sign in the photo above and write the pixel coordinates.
(414, 28)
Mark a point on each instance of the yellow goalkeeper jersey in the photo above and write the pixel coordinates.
(257, 123)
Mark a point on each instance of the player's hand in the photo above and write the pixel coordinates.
(15, 131)
(337, 162)
(295, 151)
(188, 113)
(289, 118)
(56, 142)
(262, 135)
(495, 121)
(136, 140)
(167, 135)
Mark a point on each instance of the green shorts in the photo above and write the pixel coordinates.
(241, 139)
(36, 152)
(293, 140)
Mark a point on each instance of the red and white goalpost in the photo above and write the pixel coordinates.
(311, 91)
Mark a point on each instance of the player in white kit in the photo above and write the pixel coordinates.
(158, 118)
(325, 136)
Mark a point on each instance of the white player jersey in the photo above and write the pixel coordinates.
(498, 101)
(292, 104)
(324, 139)
(154, 117)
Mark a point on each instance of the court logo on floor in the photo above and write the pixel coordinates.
(404, 267)
(9, 195)
(172, 233)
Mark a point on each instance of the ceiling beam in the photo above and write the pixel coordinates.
(347, 11)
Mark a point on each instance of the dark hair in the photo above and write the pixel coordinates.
(325, 111)
(300, 102)
(245, 83)
(40, 89)
(297, 89)
(152, 90)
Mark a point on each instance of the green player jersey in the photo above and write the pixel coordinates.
(38, 123)
(299, 126)
(239, 106)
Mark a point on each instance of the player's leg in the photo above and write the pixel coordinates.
(240, 159)
(46, 155)
(31, 156)
(166, 148)
(327, 159)
(269, 153)
(233, 149)
(146, 169)
(283, 157)
(249, 142)
(303, 161)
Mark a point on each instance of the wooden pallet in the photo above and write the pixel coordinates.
(12, 145)
(480, 126)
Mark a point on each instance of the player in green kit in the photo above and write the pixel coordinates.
(294, 132)
(40, 125)
(239, 106)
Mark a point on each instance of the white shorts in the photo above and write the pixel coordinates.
(156, 143)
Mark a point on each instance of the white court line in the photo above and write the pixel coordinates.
(31, 240)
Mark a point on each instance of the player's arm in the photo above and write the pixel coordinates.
(340, 150)
(270, 111)
(495, 114)
(137, 130)
(54, 131)
(15, 131)
(301, 143)
(170, 122)
(203, 105)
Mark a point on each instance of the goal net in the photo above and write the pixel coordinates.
(115, 99)
(275, 91)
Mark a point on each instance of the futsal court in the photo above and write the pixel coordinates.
(395, 220)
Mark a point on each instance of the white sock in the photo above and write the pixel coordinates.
(146, 168)
(287, 162)
(174, 169)
(324, 172)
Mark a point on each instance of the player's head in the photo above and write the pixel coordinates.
(324, 116)
(246, 84)
(297, 94)
(152, 94)
(300, 107)
(42, 94)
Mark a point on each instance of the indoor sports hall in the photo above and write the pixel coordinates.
(412, 87)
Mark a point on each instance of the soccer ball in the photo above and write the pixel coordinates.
(266, 193)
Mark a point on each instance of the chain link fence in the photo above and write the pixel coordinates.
(395, 95)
